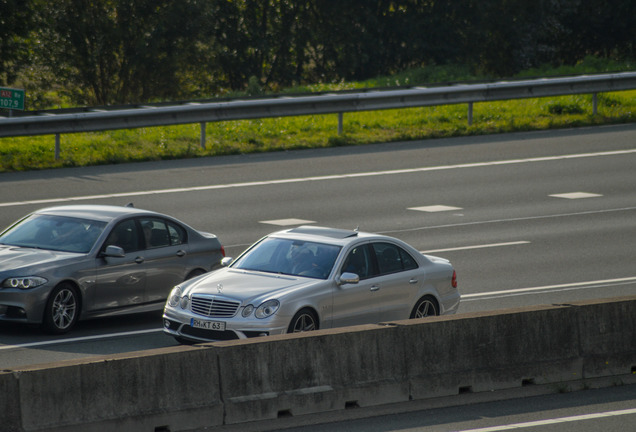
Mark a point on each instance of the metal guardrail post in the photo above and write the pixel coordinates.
(57, 146)
(340, 115)
(470, 113)
(594, 103)
(202, 139)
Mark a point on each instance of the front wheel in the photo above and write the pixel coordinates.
(304, 320)
(62, 309)
(425, 307)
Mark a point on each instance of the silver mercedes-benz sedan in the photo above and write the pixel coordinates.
(307, 278)
(61, 264)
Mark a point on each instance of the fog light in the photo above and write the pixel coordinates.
(15, 312)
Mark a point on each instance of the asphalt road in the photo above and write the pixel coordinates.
(528, 218)
(608, 409)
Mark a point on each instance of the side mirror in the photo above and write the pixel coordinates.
(114, 251)
(348, 278)
(226, 261)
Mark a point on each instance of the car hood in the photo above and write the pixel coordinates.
(246, 285)
(14, 257)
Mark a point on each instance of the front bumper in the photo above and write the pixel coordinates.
(176, 323)
(24, 306)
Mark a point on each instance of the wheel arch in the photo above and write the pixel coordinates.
(426, 296)
(310, 309)
(78, 290)
(197, 271)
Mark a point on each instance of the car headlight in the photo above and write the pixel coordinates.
(247, 310)
(185, 300)
(175, 296)
(24, 282)
(267, 309)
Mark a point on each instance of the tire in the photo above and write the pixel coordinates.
(194, 273)
(425, 307)
(62, 309)
(304, 320)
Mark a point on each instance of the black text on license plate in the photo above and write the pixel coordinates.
(208, 325)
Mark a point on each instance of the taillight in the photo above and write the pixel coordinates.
(454, 280)
(223, 250)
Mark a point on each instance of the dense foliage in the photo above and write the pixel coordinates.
(97, 52)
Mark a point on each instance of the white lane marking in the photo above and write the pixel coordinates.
(493, 221)
(588, 284)
(287, 222)
(576, 195)
(476, 247)
(554, 421)
(320, 178)
(434, 208)
(80, 339)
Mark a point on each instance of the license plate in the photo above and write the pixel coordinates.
(207, 325)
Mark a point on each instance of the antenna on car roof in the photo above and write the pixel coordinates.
(130, 204)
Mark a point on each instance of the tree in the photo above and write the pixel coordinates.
(15, 24)
(119, 51)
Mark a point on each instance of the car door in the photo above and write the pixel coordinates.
(119, 281)
(166, 256)
(355, 304)
(398, 281)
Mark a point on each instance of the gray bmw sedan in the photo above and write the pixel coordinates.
(62, 264)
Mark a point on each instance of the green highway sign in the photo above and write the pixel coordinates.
(11, 98)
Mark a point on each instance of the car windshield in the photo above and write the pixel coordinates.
(290, 257)
(59, 233)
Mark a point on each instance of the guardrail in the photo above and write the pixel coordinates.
(311, 105)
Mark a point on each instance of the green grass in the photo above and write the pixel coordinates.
(290, 133)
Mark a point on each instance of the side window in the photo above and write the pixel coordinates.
(359, 261)
(408, 262)
(125, 235)
(155, 233)
(392, 258)
(177, 234)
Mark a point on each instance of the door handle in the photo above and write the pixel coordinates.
(139, 259)
(413, 281)
(374, 287)
(181, 253)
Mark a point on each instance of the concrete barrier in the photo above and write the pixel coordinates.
(141, 391)
(608, 336)
(229, 383)
(291, 375)
(492, 351)
(10, 414)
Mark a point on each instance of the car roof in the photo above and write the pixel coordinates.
(96, 212)
(323, 234)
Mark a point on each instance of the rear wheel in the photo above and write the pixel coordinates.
(304, 320)
(194, 273)
(426, 306)
(62, 309)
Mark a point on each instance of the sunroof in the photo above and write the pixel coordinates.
(327, 232)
